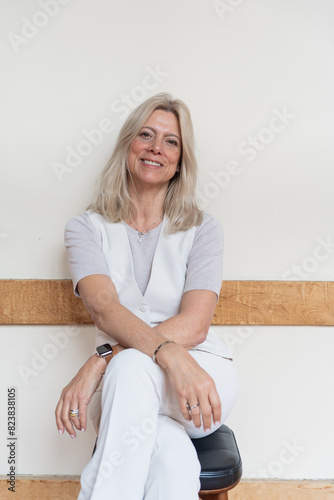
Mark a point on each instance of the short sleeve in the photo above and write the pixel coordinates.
(205, 263)
(84, 249)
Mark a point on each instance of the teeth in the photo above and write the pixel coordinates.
(152, 163)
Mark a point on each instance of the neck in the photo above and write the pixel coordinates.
(149, 207)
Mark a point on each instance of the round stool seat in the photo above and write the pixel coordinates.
(218, 453)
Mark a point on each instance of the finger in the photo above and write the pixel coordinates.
(76, 420)
(216, 407)
(65, 416)
(59, 422)
(196, 414)
(82, 415)
(184, 409)
(206, 412)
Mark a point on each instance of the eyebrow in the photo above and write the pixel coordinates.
(154, 130)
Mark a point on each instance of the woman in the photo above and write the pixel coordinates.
(146, 263)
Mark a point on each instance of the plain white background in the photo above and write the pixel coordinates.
(258, 77)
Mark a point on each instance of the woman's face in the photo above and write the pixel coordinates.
(154, 154)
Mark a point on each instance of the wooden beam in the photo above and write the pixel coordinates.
(68, 487)
(40, 302)
(52, 302)
(276, 303)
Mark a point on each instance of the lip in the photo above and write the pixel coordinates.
(144, 160)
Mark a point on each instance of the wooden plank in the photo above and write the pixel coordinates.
(67, 488)
(283, 490)
(42, 488)
(40, 302)
(276, 303)
(52, 302)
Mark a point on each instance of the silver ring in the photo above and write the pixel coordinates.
(191, 407)
(74, 413)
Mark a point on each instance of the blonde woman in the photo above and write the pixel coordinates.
(146, 262)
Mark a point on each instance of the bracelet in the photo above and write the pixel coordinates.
(159, 347)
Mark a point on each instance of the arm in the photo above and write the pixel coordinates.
(188, 328)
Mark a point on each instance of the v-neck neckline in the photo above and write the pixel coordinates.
(162, 228)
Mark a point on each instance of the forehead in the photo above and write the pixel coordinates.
(164, 121)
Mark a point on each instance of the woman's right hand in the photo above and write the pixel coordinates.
(77, 394)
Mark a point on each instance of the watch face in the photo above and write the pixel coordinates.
(104, 350)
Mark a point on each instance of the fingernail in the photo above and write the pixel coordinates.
(217, 423)
(72, 436)
(207, 430)
(60, 432)
(82, 430)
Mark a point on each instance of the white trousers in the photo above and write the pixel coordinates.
(144, 451)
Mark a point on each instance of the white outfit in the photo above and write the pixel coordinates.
(143, 450)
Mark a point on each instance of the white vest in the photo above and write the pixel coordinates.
(165, 288)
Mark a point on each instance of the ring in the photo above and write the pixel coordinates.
(74, 413)
(191, 407)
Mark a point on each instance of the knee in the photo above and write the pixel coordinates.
(130, 364)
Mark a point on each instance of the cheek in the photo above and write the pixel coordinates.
(173, 157)
(177, 159)
(133, 153)
(135, 148)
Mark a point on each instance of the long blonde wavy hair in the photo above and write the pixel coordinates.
(180, 206)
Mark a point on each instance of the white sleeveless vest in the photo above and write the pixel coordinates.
(165, 288)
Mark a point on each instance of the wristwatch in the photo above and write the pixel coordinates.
(105, 351)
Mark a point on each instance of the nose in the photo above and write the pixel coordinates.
(155, 146)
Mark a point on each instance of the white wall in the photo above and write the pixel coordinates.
(239, 66)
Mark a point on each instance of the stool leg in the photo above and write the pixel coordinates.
(216, 496)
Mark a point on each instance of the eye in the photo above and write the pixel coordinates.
(172, 142)
(145, 135)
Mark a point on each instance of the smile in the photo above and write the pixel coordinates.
(149, 162)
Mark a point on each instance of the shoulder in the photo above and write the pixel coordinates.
(209, 228)
(78, 221)
(80, 226)
(209, 221)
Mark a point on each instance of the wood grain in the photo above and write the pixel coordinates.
(276, 303)
(52, 302)
(40, 302)
(67, 488)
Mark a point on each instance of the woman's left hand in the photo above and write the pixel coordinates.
(193, 386)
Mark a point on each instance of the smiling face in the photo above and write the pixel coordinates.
(155, 152)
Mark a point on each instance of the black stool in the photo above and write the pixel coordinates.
(221, 466)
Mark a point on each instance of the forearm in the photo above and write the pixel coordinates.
(191, 325)
(130, 331)
(127, 329)
(185, 331)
